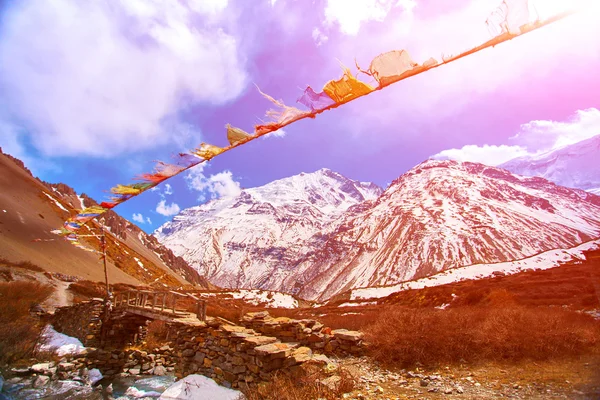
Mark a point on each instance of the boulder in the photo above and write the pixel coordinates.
(159, 370)
(344, 334)
(41, 381)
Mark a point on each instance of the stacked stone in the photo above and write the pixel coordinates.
(307, 332)
(235, 356)
(82, 320)
(128, 362)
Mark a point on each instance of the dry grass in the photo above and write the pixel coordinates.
(305, 387)
(498, 332)
(19, 330)
(156, 335)
(28, 265)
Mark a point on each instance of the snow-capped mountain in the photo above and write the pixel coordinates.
(289, 236)
(444, 214)
(576, 165)
(255, 239)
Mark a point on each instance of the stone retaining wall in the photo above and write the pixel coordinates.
(307, 332)
(232, 355)
(82, 321)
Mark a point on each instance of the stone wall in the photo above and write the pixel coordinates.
(232, 355)
(307, 332)
(82, 320)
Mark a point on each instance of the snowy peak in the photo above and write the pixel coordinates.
(250, 241)
(324, 189)
(444, 214)
(320, 234)
(574, 165)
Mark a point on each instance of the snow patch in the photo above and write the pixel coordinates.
(141, 264)
(365, 303)
(56, 202)
(270, 299)
(138, 394)
(194, 387)
(59, 343)
(81, 201)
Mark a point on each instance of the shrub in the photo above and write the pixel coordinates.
(306, 387)
(495, 333)
(157, 334)
(22, 264)
(19, 330)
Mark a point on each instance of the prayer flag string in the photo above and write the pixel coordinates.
(511, 19)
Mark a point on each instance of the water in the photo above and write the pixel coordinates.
(143, 385)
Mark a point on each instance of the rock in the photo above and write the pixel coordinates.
(189, 353)
(424, 383)
(302, 354)
(275, 350)
(41, 368)
(159, 370)
(134, 371)
(20, 371)
(331, 382)
(477, 384)
(66, 366)
(344, 334)
(378, 390)
(40, 381)
(95, 376)
(459, 389)
(448, 391)
(260, 340)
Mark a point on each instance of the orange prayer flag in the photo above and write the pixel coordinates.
(346, 88)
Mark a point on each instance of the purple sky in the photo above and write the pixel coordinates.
(92, 92)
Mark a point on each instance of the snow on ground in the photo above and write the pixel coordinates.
(196, 387)
(270, 299)
(365, 303)
(140, 394)
(141, 264)
(56, 202)
(546, 260)
(81, 201)
(59, 343)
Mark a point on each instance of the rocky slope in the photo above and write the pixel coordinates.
(573, 166)
(444, 214)
(30, 209)
(255, 240)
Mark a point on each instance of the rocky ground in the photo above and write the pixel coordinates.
(533, 381)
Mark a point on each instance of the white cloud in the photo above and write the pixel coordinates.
(486, 154)
(221, 185)
(534, 137)
(350, 14)
(547, 135)
(278, 133)
(137, 217)
(168, 189)
(109, 76)
(148, 220)
(167, 210)
(319, 37)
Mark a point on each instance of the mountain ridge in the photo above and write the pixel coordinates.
(438, 215)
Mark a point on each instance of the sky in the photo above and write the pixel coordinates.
(91, 93)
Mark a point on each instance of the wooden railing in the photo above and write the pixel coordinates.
(165, 302)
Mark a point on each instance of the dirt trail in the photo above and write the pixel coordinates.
(61, 296)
